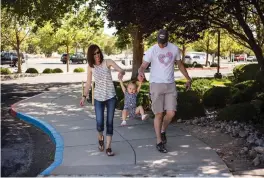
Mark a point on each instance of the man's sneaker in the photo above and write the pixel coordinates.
(161, 148)
(163, 137)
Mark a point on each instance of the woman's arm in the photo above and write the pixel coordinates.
(88, 82)
(111, 63)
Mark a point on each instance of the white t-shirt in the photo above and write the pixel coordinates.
(162, 62)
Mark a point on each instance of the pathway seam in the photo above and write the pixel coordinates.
(129, 145)
(46, 128)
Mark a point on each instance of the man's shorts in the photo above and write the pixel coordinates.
(163, 97)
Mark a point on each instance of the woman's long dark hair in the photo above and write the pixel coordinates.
(90, 55)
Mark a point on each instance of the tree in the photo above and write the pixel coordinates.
(243, 19)
(141, 18)
(46, 39)
(14, 31)
(21, 14)
(79, 28)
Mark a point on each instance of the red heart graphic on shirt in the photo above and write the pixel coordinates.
(165, 59)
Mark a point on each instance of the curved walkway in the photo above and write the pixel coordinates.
(134, 144)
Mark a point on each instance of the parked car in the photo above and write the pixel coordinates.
(11, 58)
(127, 60)
(195, 59)
(251, 58)
(240, 57)
(75, 58)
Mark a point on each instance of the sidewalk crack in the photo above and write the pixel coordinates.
(129, 145)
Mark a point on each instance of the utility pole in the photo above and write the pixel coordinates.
(218, 74)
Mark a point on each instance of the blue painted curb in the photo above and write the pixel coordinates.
(53, 134)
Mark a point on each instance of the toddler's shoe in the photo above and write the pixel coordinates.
(144, 117)
(123, 123)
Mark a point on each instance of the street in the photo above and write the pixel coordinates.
(41, 63)
(25, 150)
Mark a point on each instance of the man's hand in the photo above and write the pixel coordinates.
(141, 76)
(188, 85)
(120, 75)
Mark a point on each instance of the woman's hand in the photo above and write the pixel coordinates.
(82, 101)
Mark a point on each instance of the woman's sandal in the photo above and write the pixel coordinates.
(109, 152)
(101, 144)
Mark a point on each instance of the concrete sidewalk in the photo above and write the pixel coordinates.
(134, 145)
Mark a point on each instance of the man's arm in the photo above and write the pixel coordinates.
(183, 70)
(143, 67)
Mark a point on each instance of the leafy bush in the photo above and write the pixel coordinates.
(247, 91)
(245, 72)
(218, 97)
(240, 112)
(260, 79)
(5, 71)
(201, 85)
(198, 66)
(57, 70)
(47, 71)
(78, 70)
(245, 84)
(214, 65)
(32, 71)
(187, 65)
(189, 105)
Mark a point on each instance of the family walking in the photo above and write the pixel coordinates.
(162, 57)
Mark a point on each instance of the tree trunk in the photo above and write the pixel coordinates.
(19, 69)
(207, 50)
(84, 51)
(258, 52)
(183, 52)
(68, 58)
(138, 50)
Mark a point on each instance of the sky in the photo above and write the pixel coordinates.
(108, 31)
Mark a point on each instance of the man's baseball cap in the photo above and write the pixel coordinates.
(163, 36)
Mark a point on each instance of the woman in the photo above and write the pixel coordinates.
(104, 93)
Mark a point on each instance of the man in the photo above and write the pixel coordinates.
(162, 57)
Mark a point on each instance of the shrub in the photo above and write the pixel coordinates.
(245, 84)
(198, 66)
(32, 71)
(5, 71)
(245, 72)
(47, 71)
(247, 91)
(201, 85)
(189, 105)
(57, 70)
(78, 70)
(260, 79)
(187, 65)
(240, 112)
(218, 97)
(214, 65)
(144, 100)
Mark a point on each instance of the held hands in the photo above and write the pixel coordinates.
(188, 85)
(141, 76)
(120, 75)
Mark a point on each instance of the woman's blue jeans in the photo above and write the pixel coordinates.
(99, 112)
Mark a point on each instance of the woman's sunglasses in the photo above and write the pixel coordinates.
(98, 52)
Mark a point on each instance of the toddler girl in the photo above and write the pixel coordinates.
(130, 102)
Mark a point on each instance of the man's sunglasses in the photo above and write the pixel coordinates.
(98, 52)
